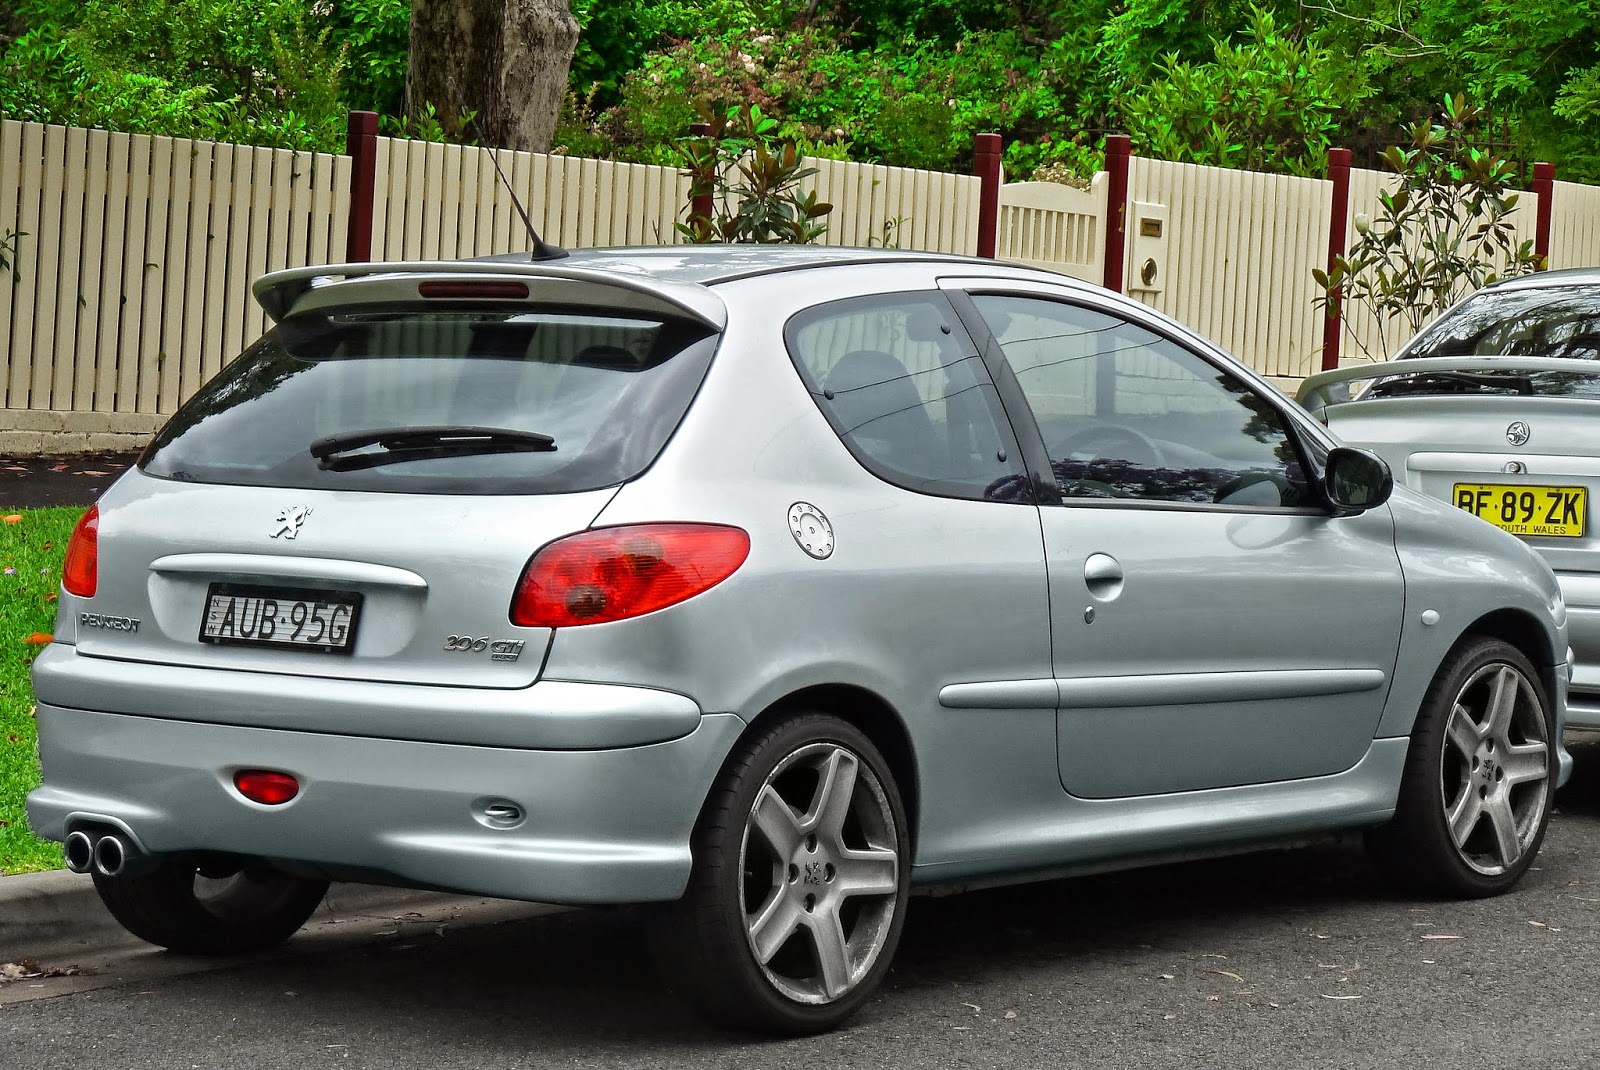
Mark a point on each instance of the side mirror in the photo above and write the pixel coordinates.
(1356, 480)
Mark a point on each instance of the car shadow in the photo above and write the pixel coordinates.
(580, 982)
(584, 980)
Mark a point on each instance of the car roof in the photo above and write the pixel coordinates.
(708, 265)
(1584, 276)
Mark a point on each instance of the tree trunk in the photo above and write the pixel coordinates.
(505, 59)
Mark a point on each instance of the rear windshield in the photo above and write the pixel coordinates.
(1539, 322)
(608, 391)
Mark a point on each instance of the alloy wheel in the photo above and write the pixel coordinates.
(819, 873)
(1495, 768)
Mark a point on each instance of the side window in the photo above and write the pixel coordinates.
(904, 388)
(1126, 413)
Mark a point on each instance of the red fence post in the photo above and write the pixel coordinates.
(1339, 175)
(703, 205)
(1544, 184)
(361, 145)
(1118, 148)
(986, 165)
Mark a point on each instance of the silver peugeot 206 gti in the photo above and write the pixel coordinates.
(770, 584)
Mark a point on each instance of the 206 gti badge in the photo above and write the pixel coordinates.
(811, 529)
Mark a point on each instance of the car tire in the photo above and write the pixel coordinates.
(801, 874)
(1480, 776)
(194, 911)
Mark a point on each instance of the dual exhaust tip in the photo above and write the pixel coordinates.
(110, 854)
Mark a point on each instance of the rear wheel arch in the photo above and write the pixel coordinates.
(878, 720)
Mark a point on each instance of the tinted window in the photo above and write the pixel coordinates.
(1126, 413)
(608, 390)
(903, 386)
(1542, 322)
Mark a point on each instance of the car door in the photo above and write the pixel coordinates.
(1213, 624)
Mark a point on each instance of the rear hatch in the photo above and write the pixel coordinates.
(357, 495)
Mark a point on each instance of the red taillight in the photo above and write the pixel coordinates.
(266, 787)
(80, 575)
(612, 573)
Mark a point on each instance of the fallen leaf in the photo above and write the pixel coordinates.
(1213, 999)
(1538, 925)
(975, 1008)
(58, 468)
(1227, 973)
(30, 970)
(37, 639)
(1163, 976)
(12, 518)
(1008, 1015)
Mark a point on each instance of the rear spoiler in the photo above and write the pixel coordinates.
(303, 289)
(1317, 392)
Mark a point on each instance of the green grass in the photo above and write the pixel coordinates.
(31, 551)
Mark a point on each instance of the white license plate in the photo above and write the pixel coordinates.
(290, 617)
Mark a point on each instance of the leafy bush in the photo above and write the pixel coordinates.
(256, 71)
(1269, 103)
(744, 184)
(1442, 233)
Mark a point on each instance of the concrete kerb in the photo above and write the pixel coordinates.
(57, 917)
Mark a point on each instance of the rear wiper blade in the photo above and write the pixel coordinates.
(343, 452)
(1420, 382)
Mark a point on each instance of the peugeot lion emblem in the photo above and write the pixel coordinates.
(1518, 433)
(289, 521)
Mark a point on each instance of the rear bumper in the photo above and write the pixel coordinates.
(601, 826)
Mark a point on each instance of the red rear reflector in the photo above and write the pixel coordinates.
(80, 575)
(613, 573)
(266, 787)
(513, 290)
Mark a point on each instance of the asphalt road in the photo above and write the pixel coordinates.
(1289, 959)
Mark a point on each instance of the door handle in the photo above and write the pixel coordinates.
(1102, 573)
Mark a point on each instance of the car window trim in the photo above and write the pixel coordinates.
(931, 488)
(1050, 488)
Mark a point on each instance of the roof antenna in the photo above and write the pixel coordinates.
(542, 250)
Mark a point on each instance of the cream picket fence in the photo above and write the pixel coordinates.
(445, 201)
(1574, 225)
(1055, 227)
(441, 202)
(1240, 246)
(131, 280)
(131, 283)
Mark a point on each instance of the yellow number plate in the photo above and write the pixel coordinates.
(1559, 512)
